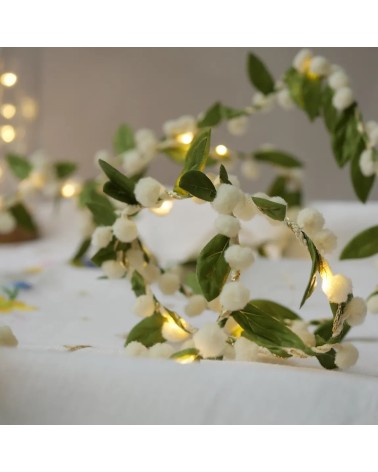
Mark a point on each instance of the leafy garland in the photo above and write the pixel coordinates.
(267, 327)
(35, 175)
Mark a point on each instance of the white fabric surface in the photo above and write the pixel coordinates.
(41, 382)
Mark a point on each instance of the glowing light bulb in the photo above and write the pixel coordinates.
(163, 209)
(29, 108)
(221, 150)
(7, 133)
(8, 79)
(185, 138)
(172, 332)
(8, 111)
(326, 275)
(70, 189)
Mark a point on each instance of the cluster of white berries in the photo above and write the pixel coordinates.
(312, 223)
(317, 66)
(343, 97)
(233, 205)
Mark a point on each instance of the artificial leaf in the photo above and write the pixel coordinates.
(278, 158)
(276, 211)
(191, 280)
(148, 331)
(89, 187)
(324, 330)
(259, 75)
(329, 112)
(176, 153)
(275, 309)
(315, 267)
(327, 360)
(137, 284)
(19, 166)
(124, 185)
(104, 254)
(265, 330)
(294, 82)
(229, 113)
(212, 117)
(312, 96)
(113, 191)
(197, 155)
(23, 217)
(198, 152)
(101, 214)
(81, 251)
(280, 187)
(64, 169)
(199, 185)
(339, 136)
(212, 268)
(364, 244)
(223, 175)
(186, 355)
(123, 139)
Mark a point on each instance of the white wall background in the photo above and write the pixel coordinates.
(87, 92)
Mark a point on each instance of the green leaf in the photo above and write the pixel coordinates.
(294, 81)
(212, 268)
(177, 153)
(180, 322)
(364, 244)
(199, 151)
(191, 354)
(312, 96)
(23, 217)
(259, 75)
(276, 211)
(278, 158)
(265, 330)
(124, 185)
(104, 254)
(89, 187)
(329, 112)
(137, 284)
(123, 139)
(341, 135)
(229, 113)
(147, 331)
(327, 360)
(199, 185)
(223, 175)
(101, 214)
(197, 155)
(324, 330)
(19, 166)
(191, 280)
(274, 309)
(81, 251)
(116, 192)
(362, 185)
(280, 187)
(212, 117)
(315, 267)
(64, 169)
